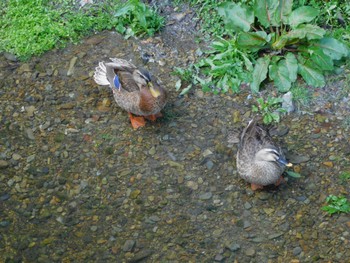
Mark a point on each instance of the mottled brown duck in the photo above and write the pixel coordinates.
(133, 89)
(260, 161)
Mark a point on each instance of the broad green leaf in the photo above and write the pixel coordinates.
(301, 15)
(236, 17)
(312, 76)
(333, 48)
(124, 10)
(306, 31)
(252, 40)
(265, 11)
(321, 60)
(260, 72)
(284, 73)
(292, 64)
(284, 10)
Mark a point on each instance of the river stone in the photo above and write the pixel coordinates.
(250, 252)
(3, 164)
(128, 245)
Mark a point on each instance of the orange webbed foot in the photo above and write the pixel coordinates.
(137, 121)
(256, 187)
(153, 117)
(279, 181)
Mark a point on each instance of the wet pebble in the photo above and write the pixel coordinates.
(205, 196)
(297, 251)
(3, 164)
(250, 252)
(128, 245)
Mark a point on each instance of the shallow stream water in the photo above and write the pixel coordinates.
(78, 184)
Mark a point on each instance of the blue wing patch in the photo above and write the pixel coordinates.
(116, 82)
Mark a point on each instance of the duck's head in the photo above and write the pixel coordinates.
(271, 155)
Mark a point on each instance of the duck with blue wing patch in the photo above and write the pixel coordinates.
(133, 89)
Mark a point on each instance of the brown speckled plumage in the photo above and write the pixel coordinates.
(259, 159)
(134, 94)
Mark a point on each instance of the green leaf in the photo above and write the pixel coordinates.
(293, 174)
(178, 85)
(320, 59)
(301, 15)
(292, 64)
(265, 11)
(312, 76)
(236, 17)
(284, 10)
(252, 40)
(260, 72)
(185, 90)
(333, 48)
(280, 75)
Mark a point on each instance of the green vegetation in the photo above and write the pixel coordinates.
(336, 204)
(271, 40)
(269, 109)
(32, 27)
(284, 42)
(301, 95)
(345, 176)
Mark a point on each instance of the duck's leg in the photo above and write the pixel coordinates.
(137, 121)
(256, 186)
(280, 180)
(154, 117)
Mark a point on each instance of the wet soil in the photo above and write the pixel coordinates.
(78, 184)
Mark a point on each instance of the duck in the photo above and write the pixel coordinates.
(260, 161)
(134, 90)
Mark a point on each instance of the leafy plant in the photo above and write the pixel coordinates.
(344, 176)
(135, 18)
(301, 95)
(188, 78)
(30, 28)
(336, 204)
(269, 109)
(284, 42)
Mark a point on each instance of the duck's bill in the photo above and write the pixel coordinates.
(284, 162)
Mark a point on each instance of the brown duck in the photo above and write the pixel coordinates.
(260, 161)
(133, 90)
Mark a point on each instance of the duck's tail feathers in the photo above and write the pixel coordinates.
(100, 75)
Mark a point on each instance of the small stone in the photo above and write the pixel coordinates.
(205, 196)
(287, 102)
(3, 164)
(297, 251)
(134, 194)
(250, 252)
(30, 158)
(128, 245)
(328, 164)
(219, 258)
(209, 164)
(5, 197)
(233, 247)
(93, 228)
(247, 205)
(139, 256)
(71, 66)
(207, 152)
(246, 224)
(16, 156)
(30, 111)
(30, 134)
(152, 151)
(191, 184)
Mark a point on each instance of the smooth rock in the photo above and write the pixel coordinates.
(3, 164)
(128, 245)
